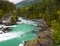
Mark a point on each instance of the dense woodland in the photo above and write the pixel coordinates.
(49, 10)
(7, 7)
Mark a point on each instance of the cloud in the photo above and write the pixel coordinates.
(15, 1)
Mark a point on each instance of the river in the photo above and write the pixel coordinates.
(22, 32)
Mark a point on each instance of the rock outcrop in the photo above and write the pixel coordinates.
(43, 36)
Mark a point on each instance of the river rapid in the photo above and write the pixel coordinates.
(20, 32)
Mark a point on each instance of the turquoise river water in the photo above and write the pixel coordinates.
(22, 32)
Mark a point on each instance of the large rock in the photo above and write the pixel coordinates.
(43, 37)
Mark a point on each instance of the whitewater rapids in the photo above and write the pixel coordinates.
(10, 35)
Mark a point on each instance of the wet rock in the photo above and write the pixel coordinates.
(1, 32)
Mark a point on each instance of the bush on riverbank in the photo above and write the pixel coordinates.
(55, 32)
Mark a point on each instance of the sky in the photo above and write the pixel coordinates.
(15, 1)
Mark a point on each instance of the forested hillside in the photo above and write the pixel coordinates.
(49, 10)
(6, 8)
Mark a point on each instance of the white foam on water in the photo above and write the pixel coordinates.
(10, 35)
(26, 21)
(4, 26)
(11, 26)
(22, 44)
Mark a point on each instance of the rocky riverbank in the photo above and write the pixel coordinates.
(43, 36)
(43, 33)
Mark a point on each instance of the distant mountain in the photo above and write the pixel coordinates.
(26, 3)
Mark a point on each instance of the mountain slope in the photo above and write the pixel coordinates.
(26, 3)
